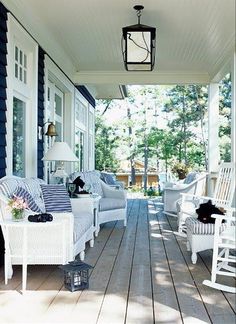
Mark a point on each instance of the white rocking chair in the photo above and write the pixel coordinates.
(224, 245)
(199, 235)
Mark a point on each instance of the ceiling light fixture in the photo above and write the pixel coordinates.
(139, 45)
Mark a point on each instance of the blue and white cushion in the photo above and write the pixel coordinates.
(24, 194)
(33, 187)
(91, 179)
(56, 198)
(194, 226)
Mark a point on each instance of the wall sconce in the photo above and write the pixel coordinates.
(51, 130)
(138, 45)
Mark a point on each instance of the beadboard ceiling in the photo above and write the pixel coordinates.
(195, 38)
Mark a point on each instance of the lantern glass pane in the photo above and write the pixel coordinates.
(77, 279)
(139, 47)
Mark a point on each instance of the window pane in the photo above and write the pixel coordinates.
(16, 53)
(25, 77)
(79, 149)
(25, 61)
(59, 131)
(21, 57)
(81, 156)
(16, 70)
(18, 137)
(48, 94)
(20, 73)
(58, 105)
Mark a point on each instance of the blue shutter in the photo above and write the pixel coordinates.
(3, 86)
(41, 57)
(3, 106)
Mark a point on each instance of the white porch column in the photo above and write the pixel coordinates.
(233, 109)
(213, 134)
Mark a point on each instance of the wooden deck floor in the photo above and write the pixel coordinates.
(142, 274)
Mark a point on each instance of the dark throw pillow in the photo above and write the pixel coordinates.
(56, 198)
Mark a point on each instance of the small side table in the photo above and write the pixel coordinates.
(94, 200)
(21, 251)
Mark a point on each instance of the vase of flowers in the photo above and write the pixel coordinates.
(17, 206)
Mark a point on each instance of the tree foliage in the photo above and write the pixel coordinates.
(225, 119)
(105, 144)
(181, 141)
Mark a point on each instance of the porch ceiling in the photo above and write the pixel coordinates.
(195, 38)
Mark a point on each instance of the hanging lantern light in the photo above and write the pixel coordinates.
(138, 45)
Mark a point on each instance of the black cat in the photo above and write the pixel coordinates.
(205, 211)
(79, 184)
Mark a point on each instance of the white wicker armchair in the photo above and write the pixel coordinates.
(113, 202)
(193, 184)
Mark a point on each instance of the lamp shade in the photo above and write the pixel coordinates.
(60, 151)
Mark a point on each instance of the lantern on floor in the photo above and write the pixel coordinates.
(76, 275)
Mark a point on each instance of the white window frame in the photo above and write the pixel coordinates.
(53, 75)
(81, 124)
(17, 36)
(50, 114)
(91, 138)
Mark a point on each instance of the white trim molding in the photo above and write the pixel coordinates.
(54, 75)
(17, 35)
(113, 77)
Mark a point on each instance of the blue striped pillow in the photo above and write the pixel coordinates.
(56, 198)
(24, 194)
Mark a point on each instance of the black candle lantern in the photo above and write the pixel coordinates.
(76, 275)
(139, 45)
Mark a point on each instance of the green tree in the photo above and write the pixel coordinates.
(106, 143)
(188, 105)
(225, 118)
(161, 145)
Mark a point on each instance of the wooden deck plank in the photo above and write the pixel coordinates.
(192, 308)
(140, 303)
(217, 306)
(166, 308)
(142, 274)
(90, 301)
(29, 306)
(206, 257)
(117, 290)
(64, 303)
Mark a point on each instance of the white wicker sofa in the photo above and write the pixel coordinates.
(113, 202)
(45, 244)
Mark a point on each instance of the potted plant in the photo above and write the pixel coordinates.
(181, 170)
(17, 206)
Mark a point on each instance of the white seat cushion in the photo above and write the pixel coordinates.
(81, 225)
(111, 203)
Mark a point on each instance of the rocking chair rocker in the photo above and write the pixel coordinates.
(224, 245)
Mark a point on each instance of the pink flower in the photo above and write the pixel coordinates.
(17, 203)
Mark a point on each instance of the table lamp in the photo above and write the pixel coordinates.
(60, 151)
